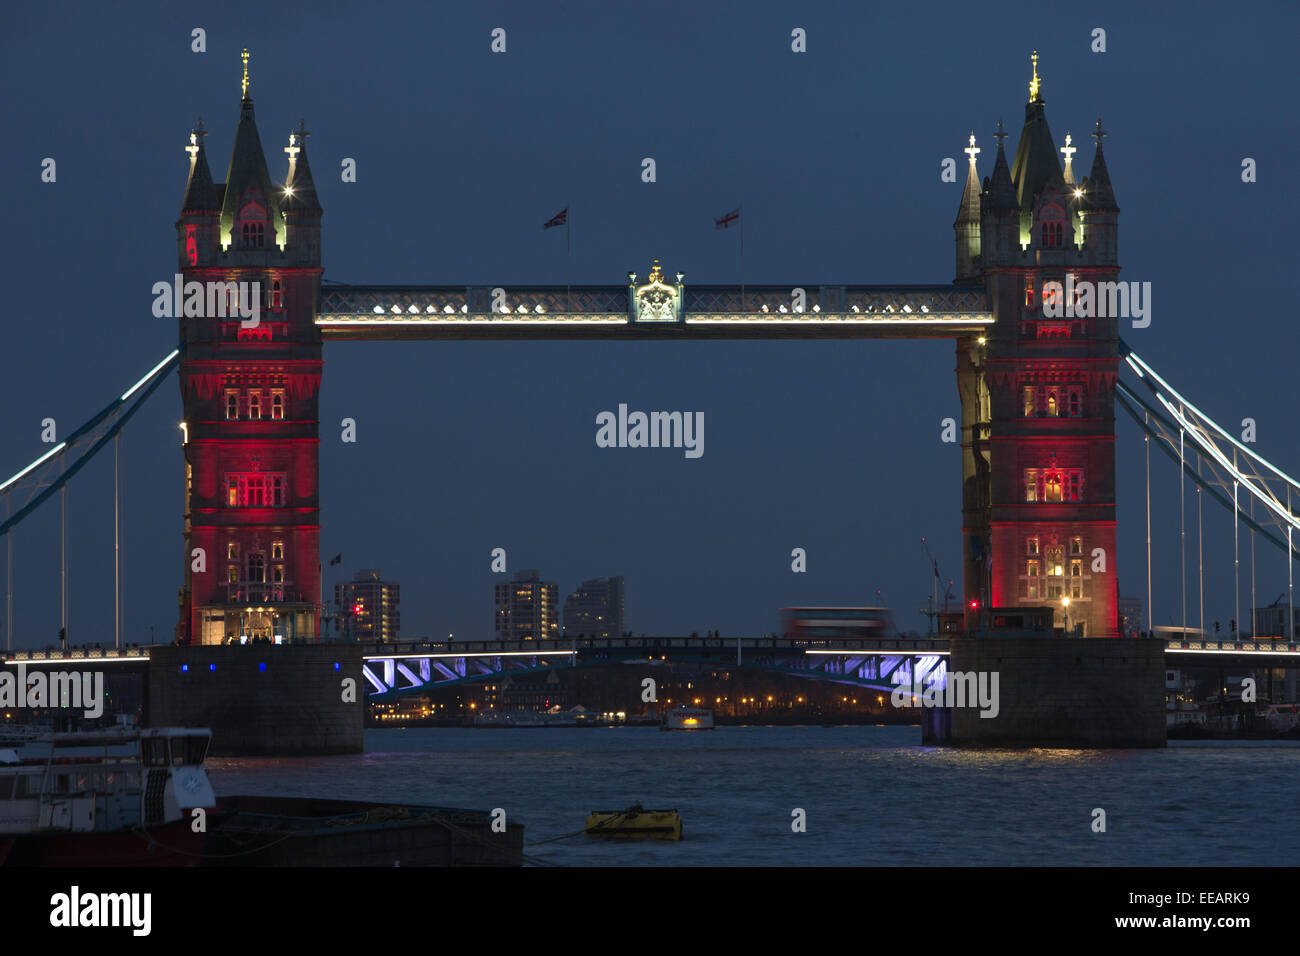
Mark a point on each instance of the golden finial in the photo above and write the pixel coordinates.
(656, 274)
(1033, 84)
(244, 57)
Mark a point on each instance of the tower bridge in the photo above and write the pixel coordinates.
(1037, 422)
(1037, 384)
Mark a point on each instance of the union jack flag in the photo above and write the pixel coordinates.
(561, 218)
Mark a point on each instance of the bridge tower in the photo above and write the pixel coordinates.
(1038, 412)
(250, 377)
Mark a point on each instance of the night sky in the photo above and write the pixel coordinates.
(462, 154)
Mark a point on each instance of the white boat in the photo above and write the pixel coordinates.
(105, 798)
(688, 718)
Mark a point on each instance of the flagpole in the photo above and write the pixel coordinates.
(568, 258)
(741, 209)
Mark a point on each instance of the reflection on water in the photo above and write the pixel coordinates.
(872, 795)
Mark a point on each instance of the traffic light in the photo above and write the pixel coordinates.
(1232, 626)
(1216, 627)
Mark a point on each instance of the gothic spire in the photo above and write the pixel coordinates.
(969, 211)
(200, 193)
(299, 187)
(1001, 191)
(1036, 165)
(247, 178)
(1099, 193)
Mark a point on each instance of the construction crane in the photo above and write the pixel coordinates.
(935, 608)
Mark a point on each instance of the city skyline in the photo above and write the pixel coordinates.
(796, 430)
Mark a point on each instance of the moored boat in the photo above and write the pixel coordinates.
(687, 718)
(115, 798)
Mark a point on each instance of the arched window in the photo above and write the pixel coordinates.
(1053, 410)
(1029, 293)
(252, 226)
(277, 404)
(1052, 218)
(277, 492)
(276, 299)
(255, 404)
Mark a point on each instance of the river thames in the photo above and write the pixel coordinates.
(872, 795)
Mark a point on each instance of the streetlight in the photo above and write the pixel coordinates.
(1065, 603)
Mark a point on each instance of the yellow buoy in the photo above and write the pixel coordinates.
(635, 823)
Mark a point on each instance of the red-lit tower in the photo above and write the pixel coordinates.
(249, 384)
(1037, 400)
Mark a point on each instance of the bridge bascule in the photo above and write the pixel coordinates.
(1037, 391)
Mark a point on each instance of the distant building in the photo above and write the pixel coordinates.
(367, 608)
(1130, 616)
(1271, 621)
(527, 609)
(595, 609)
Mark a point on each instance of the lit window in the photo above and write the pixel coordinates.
(232, 574)
(1031, 569)
(277, 404)
(1029, 401)
(1076, 569)
(1033, 546)
(277, 574)
(1076, 546)
(277, 551)
(1053, 485)
(1076, 591)
(276, 299)
(232, 404)
(232, 551)
(1055, 563)
(1031, 484)
(1029, 293)
(232, 493)
(255, 404)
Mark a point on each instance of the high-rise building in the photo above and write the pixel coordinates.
(1038, 413)
(527, 609)
(367, 608)
(595, 609)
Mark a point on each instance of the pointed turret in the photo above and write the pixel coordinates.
(1100, 217)
(967, 226)
(1100, 194)
(1036, 165)
(200, 193)
(1068, 152)
(1001, 192)
(299, 187)
(250, 197)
